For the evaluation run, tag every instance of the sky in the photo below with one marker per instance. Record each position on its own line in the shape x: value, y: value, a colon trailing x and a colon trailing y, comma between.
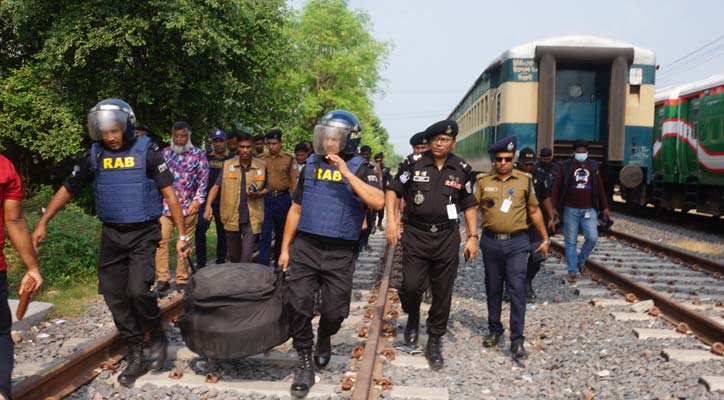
x: 441, y: 47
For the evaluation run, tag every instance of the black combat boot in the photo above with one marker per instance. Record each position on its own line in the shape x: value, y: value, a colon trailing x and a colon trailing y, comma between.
x: 412, y: 328
x: 433, y: 353
x: 530, y: 295
x: 157, y: 348
x: 517, y: 351
x: 136, y: 365
x: 491, y: 339
x: 323, y: 350
x: 304, y: 379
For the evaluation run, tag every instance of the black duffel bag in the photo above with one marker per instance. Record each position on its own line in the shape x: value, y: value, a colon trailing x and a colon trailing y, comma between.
x: 234, y: 311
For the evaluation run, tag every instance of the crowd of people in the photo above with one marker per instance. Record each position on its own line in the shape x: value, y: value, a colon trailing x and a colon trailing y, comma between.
x: 309, y: 213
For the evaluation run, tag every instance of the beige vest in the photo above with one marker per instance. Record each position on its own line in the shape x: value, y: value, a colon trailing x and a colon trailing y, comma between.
x: 231, y: 194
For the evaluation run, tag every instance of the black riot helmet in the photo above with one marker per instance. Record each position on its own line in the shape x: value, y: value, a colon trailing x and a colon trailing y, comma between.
x: 111, y: 111
x: 340, y: 126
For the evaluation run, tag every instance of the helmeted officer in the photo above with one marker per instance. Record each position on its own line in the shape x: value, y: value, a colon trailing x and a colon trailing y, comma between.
x: 527, y: 163
x: 131, y: 179
x: 277, y: 201
x: 436, y: 185
x: 507, y: 199
x: 325, y: 222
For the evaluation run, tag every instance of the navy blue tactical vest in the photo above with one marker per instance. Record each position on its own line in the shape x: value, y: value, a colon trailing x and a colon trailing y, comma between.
x: 329, y: 206
x: 124, y: 193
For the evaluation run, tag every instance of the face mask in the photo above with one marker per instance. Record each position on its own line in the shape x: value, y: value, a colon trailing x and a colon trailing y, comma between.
x: 581, y: 156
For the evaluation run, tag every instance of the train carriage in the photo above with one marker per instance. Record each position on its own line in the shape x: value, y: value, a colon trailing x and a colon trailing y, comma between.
x: 688, y: 150
x: 553, y: 91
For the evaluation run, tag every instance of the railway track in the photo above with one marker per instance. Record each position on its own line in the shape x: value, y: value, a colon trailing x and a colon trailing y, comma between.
x: 687, y: 290
x: 370, y: 333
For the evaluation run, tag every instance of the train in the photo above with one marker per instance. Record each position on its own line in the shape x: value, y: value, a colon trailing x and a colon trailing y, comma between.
x: 553, y: 91
x: 688, y: 147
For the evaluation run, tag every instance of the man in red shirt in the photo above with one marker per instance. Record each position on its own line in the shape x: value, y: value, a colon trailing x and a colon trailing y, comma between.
x: 12, y: 215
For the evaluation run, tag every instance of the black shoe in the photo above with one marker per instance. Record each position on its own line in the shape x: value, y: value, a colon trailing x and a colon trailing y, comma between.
x: 518, y: 352
x: 323, y: 350
x: 412, y: 328
x: 136, y: 365
x: 492, y: 339
x: 433, y: 353
x: 530, y: 295
x: 157, y: 349
x: 161, y: 288
x: 304, y: 379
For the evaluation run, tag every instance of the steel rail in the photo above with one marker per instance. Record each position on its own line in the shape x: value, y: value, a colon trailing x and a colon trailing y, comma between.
x: 709, y: 265
x: 364, y: 387
x: 67, y: 374
x: 705, y: 328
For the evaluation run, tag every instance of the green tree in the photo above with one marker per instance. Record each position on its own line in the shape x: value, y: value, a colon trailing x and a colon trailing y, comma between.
x: 206, y: 62
x: 339, y: 65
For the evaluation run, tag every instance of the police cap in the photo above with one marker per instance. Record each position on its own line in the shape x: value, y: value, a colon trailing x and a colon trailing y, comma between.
x: 218, y: 134
x: 505, y: 145
x: 275, y: 133
x: 526, y: 155
x: 546, y: 152
x: 445, y: 127
x: 419, y: 138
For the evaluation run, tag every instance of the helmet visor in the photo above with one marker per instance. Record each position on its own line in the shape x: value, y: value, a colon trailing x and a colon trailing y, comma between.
x: 329, y: 139
x: 104, y: 120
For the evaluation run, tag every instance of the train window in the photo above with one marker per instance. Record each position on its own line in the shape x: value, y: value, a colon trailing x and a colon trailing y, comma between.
x: 695, y: 118
x: 485, y: 109
x: 497, y: 107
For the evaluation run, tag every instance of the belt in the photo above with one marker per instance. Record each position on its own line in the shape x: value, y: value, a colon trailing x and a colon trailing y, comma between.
x: 505, y: 236
x: 276, y: 193
x: 432, y: 227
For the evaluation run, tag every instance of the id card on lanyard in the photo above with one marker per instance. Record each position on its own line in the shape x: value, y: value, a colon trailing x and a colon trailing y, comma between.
x: 505, y: 207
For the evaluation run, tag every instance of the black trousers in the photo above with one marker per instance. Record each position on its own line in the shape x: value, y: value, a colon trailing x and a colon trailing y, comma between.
x: 6, y: 342
x: 430, y: 259
x: 126, y: 271
x: 534, y: 261
x: 241, y: 244
x: 318, y: 262
x: 506, y: 261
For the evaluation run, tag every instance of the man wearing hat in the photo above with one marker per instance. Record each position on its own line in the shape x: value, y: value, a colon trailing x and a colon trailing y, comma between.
x: 436, y: 186
x: 420, y: 143
x: 216, y: 157
x: 507, y: 200
x: 278, y: 200
x: 527, y: 163
x: 578, y: 194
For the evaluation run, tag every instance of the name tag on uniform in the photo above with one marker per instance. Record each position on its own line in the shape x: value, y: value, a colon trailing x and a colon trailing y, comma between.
x: 421, y: 178
x: 490, y: 189
x: 505, y: 207
x: 452, y: 211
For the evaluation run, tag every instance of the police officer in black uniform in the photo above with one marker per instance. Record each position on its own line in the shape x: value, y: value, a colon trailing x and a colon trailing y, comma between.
x: 436, y: 186
x: 325, y: 222
x: 385, y: 177
x: 507, y: 200
x: 131, y: 179
x: 527, y: 163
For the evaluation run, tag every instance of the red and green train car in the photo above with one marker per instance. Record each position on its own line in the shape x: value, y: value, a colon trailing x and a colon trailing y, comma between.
x: 688, y: 149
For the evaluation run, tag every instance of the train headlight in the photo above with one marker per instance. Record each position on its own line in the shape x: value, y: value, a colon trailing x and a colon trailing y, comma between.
x: 631, y: 176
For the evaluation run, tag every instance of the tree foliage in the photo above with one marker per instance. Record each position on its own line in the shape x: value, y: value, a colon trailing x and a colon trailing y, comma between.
x: 209, y: 62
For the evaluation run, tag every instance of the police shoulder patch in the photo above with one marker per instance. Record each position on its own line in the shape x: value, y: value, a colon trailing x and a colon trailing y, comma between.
x: 154, y: 147
x: 162, y: 167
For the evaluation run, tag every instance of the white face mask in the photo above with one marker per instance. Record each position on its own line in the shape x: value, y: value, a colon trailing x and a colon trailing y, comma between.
x: 581, y: 156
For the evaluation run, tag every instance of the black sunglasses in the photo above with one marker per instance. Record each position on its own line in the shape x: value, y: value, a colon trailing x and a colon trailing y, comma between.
x: 500, y: 159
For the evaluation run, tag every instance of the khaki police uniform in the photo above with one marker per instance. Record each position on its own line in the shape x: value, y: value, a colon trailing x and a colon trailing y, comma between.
x: 505, y: 245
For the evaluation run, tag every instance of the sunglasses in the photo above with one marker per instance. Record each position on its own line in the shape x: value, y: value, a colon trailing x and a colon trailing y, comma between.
x: 501, y: 159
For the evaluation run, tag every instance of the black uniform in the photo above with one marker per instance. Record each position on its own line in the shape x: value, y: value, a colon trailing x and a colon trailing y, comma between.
x: 431, y: 241
x: 127, y: 264
x: 542, y: 191
x: 325, y: 264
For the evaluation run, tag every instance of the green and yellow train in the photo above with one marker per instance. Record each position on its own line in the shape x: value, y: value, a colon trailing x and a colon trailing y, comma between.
x: 553, y: 91
x: 688, y: 150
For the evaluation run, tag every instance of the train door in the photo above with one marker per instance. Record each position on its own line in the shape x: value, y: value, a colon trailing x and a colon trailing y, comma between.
x: 689, y: 140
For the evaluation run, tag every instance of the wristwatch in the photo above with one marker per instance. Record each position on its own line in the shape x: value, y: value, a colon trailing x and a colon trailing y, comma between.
x: 473, y: 235
x: 185, y: 238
